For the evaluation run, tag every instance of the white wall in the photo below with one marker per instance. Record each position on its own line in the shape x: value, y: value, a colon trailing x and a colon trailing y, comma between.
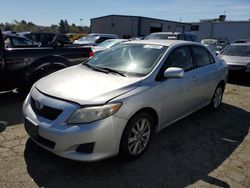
x: 167, y: 26
x: 225, y: 30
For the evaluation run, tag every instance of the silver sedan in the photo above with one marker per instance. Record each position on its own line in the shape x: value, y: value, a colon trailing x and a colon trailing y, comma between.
x: 116, y: 101
x: 237, y: 56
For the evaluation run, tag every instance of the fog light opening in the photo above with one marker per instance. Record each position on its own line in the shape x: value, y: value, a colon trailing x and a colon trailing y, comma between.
x: 85, y: 148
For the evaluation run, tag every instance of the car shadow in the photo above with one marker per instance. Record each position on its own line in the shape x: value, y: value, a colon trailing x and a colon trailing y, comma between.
x: 239, y: 78
x: 11, y: 108
x: 183, y: 153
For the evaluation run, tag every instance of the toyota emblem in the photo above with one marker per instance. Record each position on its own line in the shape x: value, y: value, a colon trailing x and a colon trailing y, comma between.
x: 38, y: 105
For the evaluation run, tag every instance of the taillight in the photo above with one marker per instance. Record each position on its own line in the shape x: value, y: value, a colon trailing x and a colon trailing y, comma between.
x: 91, y: 53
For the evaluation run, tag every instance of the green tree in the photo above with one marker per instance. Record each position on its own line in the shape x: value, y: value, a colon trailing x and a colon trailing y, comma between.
x: 62, y: 27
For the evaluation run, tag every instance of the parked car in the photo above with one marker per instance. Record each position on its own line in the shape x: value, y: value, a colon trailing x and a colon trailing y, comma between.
x: 241, y: 41
x: 94, y: 39
x: 107, y: 44
x: 216, y: 45
x: 21, y: 67
x: 47, y: 39
x: 237, y: 56
x: 16, y: 41
x: 116, y: 101
x: 173, y: 36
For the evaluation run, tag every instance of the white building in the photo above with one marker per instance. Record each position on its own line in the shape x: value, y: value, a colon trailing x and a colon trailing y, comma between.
x: 135, y: 26
x: 222, y: 29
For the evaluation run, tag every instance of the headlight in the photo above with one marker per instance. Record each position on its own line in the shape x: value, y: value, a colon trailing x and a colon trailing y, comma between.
x: 89, y: 114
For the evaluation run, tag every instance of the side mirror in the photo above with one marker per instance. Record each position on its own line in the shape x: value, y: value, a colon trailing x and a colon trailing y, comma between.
x: 174, y: 72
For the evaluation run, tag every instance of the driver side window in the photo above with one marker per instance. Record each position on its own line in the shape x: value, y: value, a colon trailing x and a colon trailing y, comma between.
x: 181, y: 58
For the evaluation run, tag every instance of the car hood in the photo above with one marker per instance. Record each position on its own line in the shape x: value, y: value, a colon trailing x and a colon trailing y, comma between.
x: 235, y: 60
x: 85, y: 86
x: 84, y: 42
x: 98, y: 48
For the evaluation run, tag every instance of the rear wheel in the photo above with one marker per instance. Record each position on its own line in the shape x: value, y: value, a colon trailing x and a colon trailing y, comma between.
x: 217, y: 97
x: 137, y: 136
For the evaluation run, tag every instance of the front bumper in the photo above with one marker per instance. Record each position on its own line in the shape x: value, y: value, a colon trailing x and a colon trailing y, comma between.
x: 105, y: 134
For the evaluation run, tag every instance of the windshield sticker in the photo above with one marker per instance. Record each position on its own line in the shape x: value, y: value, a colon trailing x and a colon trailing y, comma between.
x: 153, y: 46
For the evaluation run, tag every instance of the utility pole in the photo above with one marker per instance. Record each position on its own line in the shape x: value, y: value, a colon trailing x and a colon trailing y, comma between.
x: 81, y: 20
x: 181, y: 18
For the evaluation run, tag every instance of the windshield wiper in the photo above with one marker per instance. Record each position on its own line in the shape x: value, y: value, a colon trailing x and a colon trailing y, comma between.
x: 114, y: 71
x: 95, y: 68
x: 103, y: 69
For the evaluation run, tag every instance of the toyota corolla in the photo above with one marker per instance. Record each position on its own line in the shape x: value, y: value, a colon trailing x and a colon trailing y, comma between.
x: 114, y: 103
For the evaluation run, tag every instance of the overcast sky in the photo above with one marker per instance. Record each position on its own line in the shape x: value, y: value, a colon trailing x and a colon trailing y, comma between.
x: 47, y: 12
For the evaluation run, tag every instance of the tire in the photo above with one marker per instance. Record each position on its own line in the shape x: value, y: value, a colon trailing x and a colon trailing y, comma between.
x: 137, y: 136
x: 44, y: 73
x: 25, y: 89
x: 217, y: 97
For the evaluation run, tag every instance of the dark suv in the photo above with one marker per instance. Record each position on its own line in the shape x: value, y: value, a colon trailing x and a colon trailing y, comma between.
x: 173, y: 36
x: 46, y: 39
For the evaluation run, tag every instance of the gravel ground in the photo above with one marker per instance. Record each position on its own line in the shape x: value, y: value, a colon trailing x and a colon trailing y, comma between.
x: 206, y: 149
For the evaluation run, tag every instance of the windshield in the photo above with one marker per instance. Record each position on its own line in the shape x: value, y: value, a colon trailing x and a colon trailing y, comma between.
x: 134, y: 59
x: 239, y: 50
x: 108, y: 43
x: 90, y: 38
x: 161, y: 36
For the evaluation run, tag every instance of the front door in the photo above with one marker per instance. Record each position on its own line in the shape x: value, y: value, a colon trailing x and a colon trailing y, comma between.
x: 178, y: 93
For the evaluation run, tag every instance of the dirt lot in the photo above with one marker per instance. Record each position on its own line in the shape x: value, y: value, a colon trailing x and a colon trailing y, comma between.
x: 206, y: 149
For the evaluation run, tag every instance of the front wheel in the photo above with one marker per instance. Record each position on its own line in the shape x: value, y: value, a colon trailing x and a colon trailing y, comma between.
x: 137, y: 136
x: 217, y: 98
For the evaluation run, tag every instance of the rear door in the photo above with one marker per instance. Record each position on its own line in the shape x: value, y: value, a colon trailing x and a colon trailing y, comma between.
x: 205, y: 74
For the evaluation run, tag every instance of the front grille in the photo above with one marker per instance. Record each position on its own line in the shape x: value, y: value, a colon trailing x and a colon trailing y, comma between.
x: 45, y: 111
x: 237, y: 67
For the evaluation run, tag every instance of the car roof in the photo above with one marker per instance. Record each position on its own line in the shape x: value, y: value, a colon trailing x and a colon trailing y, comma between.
x: 162, y: 42
x: 103, y: 34
x: 240, y: 44
x: 209, y: 40
x: 242, y: 39
x: 173, y: 33
x: 14, y: 35
x: 45, y: 33
x: 118, y: 40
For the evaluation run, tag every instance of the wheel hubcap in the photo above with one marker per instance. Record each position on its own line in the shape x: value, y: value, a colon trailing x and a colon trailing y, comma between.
x: 139, y: 136
x: 217, y: 97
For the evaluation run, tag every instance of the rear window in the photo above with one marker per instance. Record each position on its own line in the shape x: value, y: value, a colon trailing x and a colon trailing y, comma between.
x: 21, y: 42
x: 194, y: 38
x: 188, y: 38
x: 31, y: 37
x: 202, y: 56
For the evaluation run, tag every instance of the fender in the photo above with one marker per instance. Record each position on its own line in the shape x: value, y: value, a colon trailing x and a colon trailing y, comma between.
x: 45, y: 62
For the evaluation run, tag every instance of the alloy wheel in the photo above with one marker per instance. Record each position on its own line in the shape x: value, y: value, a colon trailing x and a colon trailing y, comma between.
x: 139, y: 136
x: 217, y: 97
